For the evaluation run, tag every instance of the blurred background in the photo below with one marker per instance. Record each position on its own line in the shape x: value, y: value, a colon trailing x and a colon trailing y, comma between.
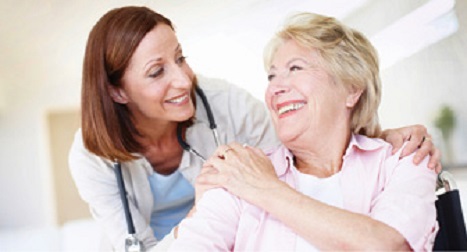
x: 423, y: 52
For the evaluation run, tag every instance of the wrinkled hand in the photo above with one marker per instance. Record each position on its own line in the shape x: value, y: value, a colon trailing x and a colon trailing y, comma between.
x: 242, y: 170
x: 201, y: 183
x: 417, y: 138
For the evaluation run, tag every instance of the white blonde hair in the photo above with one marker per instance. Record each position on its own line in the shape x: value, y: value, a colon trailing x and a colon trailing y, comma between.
x: 348, y: 56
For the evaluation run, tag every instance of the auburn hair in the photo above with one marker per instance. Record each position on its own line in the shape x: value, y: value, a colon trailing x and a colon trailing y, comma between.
x: 107, y: 127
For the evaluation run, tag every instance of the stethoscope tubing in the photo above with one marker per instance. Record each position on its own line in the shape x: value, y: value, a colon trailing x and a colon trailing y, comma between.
x: 123, y: 196
x: 183, y: 144
x: 212, y: 126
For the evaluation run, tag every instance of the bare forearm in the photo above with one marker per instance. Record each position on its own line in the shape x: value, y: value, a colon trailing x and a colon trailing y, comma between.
x: 328, y: 227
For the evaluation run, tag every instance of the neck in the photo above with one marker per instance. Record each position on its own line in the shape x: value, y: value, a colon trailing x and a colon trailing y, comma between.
x: 157, y: 133
x: 161, y: 147
x: 322, y: 157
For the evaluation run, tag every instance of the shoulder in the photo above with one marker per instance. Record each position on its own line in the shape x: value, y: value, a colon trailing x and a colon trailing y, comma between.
x: 231, y: 101
x: 405, y: 165
x: 368, y: 149
x: 375, y: 152
x: 212, y: 84
x: 369, y: 144
x: 366, y: 157
x: 280, y: 157
x: 277, y: 151
x: 220, y: 88
x: 240, y: 116
x: 78, y: 151
x: 84, y: 163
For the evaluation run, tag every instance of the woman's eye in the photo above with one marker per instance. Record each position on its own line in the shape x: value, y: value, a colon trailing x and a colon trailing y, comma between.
x: 156, y: 72
x: 181, y: 59
x: 295, y: 68
x: 271, y: 77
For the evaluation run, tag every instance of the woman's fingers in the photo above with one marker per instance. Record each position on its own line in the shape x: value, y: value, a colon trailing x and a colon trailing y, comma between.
x: 257, y: 151
x: 240, y: 169
x: 426, y: 147
x: 418, y: 140
x: 435, y: 161
x: 222, y: 151
x: 416, y: 135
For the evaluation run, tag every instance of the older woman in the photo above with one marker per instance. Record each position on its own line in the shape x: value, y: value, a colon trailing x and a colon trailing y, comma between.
x: 334, y: 186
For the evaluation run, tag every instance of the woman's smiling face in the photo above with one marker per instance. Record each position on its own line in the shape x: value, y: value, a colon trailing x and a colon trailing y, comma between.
x: 302, y: 96
x: 157, y: 82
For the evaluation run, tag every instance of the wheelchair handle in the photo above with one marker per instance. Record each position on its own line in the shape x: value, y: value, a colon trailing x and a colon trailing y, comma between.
x: 446, y: 181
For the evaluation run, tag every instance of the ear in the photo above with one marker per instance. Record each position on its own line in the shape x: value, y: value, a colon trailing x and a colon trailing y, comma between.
x: 352, y: 97
x: 118, y: 94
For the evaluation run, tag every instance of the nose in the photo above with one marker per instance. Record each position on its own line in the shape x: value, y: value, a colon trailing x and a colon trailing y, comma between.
x: 181, y: 77
x: 279, y: 91
x: 278, y: 85
x: 273, y: 91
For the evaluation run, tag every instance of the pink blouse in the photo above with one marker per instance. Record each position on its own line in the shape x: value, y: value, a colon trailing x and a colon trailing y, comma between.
x: 374, y: 183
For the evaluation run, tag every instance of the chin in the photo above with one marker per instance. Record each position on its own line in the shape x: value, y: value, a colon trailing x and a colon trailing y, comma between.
x: 185, y: 115
x: 287, y: 136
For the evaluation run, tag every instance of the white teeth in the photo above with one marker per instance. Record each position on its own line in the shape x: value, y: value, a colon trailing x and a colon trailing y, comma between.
x: 178, y: 100
x: 290, y: 107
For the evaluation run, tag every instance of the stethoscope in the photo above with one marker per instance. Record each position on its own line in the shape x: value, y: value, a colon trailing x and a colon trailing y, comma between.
x: 132, y: 244
x: 212, y: 126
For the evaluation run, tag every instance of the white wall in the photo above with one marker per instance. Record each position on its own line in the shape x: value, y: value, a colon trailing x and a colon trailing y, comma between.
x: 415, y: 88
x: 42, y: 44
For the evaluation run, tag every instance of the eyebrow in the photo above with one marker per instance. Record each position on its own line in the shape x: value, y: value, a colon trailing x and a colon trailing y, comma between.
x: 273, y: 67
x: 177, y: 49
x: 145, y: 68
x: 297, y: 59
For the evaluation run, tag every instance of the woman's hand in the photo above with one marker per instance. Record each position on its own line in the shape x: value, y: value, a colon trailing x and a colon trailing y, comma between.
x: 242, y: 170
x: 417, y: 138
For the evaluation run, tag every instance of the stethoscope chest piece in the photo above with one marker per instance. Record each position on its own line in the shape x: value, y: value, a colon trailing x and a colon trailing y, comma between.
x: 132, y: 244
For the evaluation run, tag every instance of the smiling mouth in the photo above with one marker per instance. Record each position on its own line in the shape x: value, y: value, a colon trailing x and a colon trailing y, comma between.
x: 290, y: 107
x: 178, y: 100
